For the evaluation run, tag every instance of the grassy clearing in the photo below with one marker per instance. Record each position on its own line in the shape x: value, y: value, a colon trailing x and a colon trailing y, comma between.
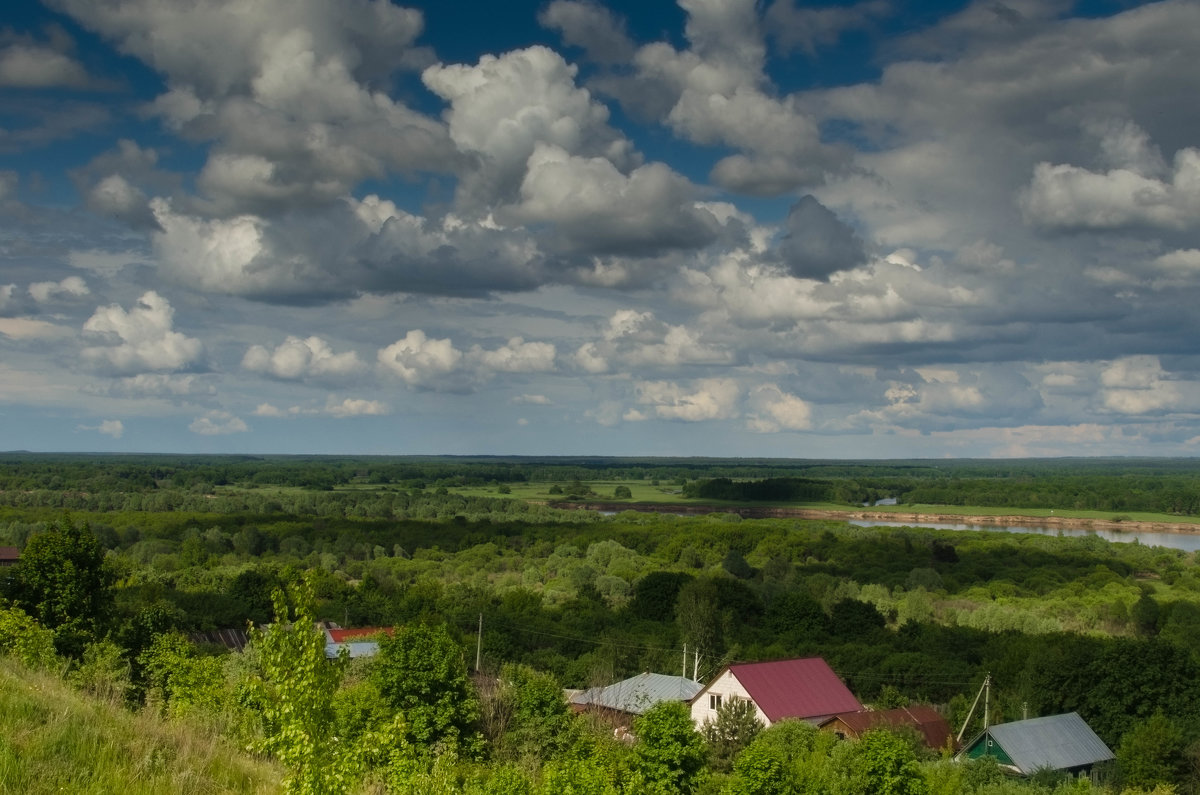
x: 54, y: 739
x: 641, y: 490
x: 669, y: 494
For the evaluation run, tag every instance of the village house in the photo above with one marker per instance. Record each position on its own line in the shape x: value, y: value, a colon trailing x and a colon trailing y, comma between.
x: 921, y: 718
x: 362, y: 642
x: 9, y: 556
x: 805, y: 688
x: 620, y: 701
x: 1056, y: 742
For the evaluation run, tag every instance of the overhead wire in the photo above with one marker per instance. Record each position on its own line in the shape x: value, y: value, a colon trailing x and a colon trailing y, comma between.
x: 608, y: 641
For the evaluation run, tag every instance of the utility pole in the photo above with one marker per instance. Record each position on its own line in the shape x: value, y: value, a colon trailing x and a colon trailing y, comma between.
x: 479, y: 644
x: 985, y: 689
x: 987, y: 699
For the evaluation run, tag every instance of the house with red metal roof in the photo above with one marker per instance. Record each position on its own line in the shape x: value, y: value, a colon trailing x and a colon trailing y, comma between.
x: 921, y: 718
x: 9, y: 556
x: 361, y: 642
x: 805, y: 688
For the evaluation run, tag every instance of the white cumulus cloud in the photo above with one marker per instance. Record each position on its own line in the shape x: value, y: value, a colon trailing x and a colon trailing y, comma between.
x: 705, y: 399
x: 218, y: 423
x: 518, y: 356
x: 297, y: 358
x: 772, y: 409
x: 113, y: 428
x: 140, y: 339
x: 70, y: 287
x: 1138, y: 385
x: 419, y: 360
x: 355, y: 407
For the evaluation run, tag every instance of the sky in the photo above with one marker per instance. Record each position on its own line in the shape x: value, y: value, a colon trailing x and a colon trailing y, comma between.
x: 874, y: 229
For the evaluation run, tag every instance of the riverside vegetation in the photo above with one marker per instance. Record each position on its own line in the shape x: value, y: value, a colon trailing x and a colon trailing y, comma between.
x: 124, y: 556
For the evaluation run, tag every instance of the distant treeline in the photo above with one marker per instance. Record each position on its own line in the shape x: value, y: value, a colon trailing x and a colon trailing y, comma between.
x: 766, y: 490
x: 1164, y: 493
x: 205, y: 483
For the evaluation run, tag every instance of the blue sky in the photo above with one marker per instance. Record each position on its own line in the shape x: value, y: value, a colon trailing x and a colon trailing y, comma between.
x: 884, y: 228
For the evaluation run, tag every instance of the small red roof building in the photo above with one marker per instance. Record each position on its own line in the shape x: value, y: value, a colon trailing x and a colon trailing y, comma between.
x: 922, y: 718
x: 9, y: 556
x: 362, y: 633
x: 360, y: 642
x: 804, y: 688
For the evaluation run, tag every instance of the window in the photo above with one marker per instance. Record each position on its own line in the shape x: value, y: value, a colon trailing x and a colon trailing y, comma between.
x: 714, y: 702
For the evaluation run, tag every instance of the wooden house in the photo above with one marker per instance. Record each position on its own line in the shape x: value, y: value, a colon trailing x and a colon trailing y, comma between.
x: 921, y: 718
x: 1056, y: 742
x: 805, y: 688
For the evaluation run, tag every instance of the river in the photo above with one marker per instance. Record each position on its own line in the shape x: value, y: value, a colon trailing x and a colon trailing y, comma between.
x: 1189, y: 542
x: 1185, y: 537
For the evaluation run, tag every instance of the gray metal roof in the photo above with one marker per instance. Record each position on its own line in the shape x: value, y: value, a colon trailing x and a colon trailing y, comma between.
x: 1059, y: 742
x: 356, y: 648
x: 637, y: 694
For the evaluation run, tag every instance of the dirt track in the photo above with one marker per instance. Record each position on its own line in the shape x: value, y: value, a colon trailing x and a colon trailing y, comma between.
x: 752, y: 512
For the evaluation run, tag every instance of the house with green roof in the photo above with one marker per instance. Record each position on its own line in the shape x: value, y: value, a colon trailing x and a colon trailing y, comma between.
x: 1056, y: 742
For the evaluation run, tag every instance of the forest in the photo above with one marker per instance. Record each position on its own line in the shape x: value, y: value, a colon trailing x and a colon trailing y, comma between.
x: 126, y: 561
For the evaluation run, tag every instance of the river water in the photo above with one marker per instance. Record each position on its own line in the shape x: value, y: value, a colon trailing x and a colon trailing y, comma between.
x: 1189, y: 542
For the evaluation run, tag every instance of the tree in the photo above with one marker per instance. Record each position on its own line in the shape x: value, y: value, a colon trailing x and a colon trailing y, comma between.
x: 885, y: 763
x: 527, y: 715
x: 789, y: 757
x: 737, y: 566
x: 735, y: 727
x: 850, y: 618
x: 63, y: 583
x: 797, y: 614
x: 1151, y: 753
x: 654, y: 595
x: 1145, y: 612
x: 698, y: 616
x: 178, y: 677
x: 670, y: 754
x: 420, y: 671
x: 294, y: 693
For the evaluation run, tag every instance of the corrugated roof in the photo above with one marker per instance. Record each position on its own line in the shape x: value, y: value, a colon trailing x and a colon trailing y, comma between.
x: 637, y: 694
x: 356, y: 650
x: 1058, y: 742
x: 10, y: 553
x: 801, y: 688
x: 922, y: 717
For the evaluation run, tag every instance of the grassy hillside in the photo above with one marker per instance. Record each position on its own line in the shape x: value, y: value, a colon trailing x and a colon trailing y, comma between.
x: 55, y: 739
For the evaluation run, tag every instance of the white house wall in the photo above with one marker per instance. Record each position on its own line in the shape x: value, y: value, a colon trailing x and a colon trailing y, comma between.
x: 726, y: 686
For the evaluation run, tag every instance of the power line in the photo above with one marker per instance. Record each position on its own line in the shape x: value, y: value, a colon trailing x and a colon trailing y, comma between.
x: 897, y: 678
x: 903, y: 678
x: 592, y: 641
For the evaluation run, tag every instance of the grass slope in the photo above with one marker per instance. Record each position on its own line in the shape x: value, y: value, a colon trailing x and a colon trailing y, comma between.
x: 55, y: 739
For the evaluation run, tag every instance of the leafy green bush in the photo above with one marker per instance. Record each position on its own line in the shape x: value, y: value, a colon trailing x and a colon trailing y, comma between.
x: 25, y: 639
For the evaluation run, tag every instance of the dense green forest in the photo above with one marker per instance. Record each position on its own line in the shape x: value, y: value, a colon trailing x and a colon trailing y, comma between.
x: 173, y: 483
x: 126, y: 558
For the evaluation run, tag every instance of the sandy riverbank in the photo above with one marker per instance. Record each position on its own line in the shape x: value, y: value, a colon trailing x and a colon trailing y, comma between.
x: 1008, y: 520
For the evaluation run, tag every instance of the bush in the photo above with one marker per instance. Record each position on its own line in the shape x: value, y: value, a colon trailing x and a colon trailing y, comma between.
x: 25, y: 639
